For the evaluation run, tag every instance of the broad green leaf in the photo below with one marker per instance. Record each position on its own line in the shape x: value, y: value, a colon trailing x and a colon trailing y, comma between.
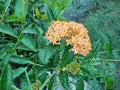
x: 18, y: 72
x: 41, y: 41
x: 29, y: 31
x: 7, y: 30
x: 64, y: 80
x: 14, y: 18
x: 21, y: 8
x: 109, y: 81
x: 28, y: 42
x: 50, y: 14
x: 67, y: 57
x: 42, y: 71
x: 3, y: 52
x: 60, y: 7
x: 107, y: 44
x: 42, y: 54
x: 52, y: 83
x: 79, y: 84
x: 19, y: 60
x: 6, y: 80
x: 46, y: 53
x: 23, y: 47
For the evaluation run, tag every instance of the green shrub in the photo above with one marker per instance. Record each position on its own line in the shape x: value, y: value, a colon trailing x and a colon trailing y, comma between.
x: 28, y: 61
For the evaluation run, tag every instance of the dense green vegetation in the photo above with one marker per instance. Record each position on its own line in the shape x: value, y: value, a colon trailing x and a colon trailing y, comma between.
x: 28, y: 61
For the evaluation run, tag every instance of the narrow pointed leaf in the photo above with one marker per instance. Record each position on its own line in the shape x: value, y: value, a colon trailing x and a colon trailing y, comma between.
x: 21, y: 8
x: 14, y: 18
x: 7, y: 30
x: 18, y: 71
x: 64, y: 80
x: 46, y: 53
x: 20, y: 60
x: 52, y: 83
x: 28, y: 42
x: 107, y: 44
x: 6, y: 80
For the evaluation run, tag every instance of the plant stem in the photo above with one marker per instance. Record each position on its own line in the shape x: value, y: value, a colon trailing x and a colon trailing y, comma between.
x: 111, y: 60
x: 5, y: 12
x: 28, y: 79
x: 35, y: 64
x: 19, y: 37
x: 14, y: 87
x: 112, y: 51
x: 41, y: 88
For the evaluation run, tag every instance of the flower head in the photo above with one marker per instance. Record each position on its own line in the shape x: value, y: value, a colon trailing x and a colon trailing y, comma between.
x: 73, y: 67
x: 73, y: 33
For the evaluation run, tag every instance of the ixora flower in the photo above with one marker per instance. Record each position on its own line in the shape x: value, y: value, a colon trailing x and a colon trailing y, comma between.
x: 73, y: 33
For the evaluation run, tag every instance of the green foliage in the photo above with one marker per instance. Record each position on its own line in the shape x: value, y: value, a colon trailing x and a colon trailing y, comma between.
x: 7, y: 30
x: 64, y: 80
x: 6, y: 78
x: 101, y: 17
x: 28, y: 61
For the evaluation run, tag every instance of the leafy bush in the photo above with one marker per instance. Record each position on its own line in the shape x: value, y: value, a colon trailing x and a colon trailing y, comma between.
x: 99, y: 16
x: 28, y: 61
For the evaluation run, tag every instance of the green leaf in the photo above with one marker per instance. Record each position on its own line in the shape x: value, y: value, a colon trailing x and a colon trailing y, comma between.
x: 52, y: 83
x: 107, y: 44
x: 21, y: 8
x: 41, y: 41
x: 67, y: 58
x: 64, y: 80
x: 42, y: 54
x: 109, y: 81
x: 28, y: 42
x: 46, y: 53
x: 19, y: 60
x: 6, y: 80
x: 89, y: 68
x: 50, y: 14
x: 23, y: 47
x: 14, y: 18
x: 7, y: 30
x: 17, y: 72
x: 59, y: 6
x: 29, y: 31
x: 42, y: 71
x: 79, y: 84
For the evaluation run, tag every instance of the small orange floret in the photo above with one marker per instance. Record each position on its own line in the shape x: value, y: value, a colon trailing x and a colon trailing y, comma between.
x: 74, y: 34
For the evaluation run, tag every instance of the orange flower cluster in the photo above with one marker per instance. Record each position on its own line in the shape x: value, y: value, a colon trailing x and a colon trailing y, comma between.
x: 74, y: 34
